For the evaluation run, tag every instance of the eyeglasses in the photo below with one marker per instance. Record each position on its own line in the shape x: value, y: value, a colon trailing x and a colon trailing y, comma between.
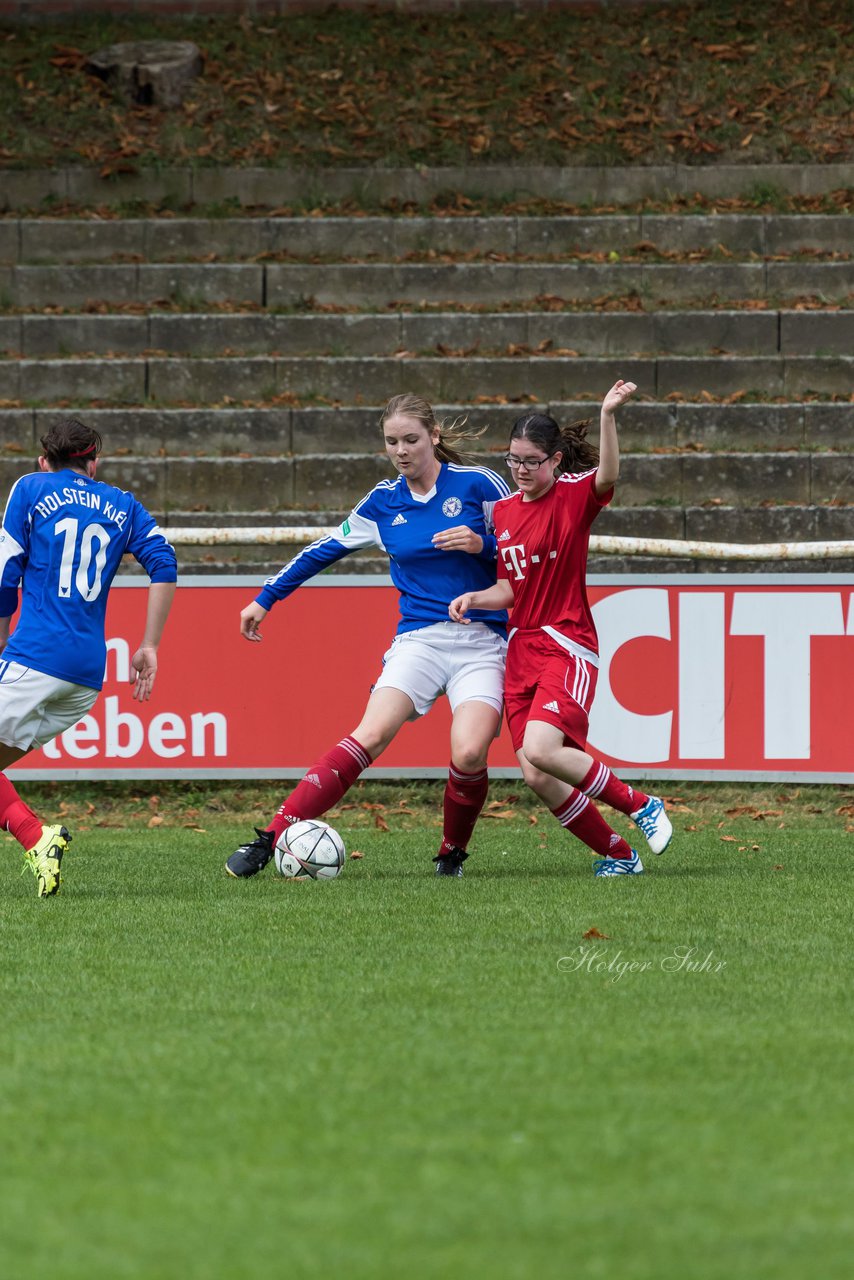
x: 523, y: 464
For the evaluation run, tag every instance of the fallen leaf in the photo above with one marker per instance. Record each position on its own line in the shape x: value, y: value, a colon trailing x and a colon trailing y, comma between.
x: 594, y: 933
x: 356, y: 853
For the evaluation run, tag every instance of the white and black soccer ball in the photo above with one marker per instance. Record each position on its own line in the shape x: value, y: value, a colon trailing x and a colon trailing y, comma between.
x: 310, y: 850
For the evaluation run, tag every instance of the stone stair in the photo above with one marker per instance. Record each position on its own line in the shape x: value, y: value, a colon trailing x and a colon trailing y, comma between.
x: 236, y: 366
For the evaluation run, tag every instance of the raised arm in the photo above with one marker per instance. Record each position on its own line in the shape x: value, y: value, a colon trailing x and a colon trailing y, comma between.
x: 609, y: 449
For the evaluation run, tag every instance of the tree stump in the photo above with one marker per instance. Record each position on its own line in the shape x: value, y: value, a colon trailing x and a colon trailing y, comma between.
x: 148, y: 72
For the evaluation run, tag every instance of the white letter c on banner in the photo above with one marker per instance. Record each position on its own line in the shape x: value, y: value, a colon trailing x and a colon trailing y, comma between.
x: 614, y: 730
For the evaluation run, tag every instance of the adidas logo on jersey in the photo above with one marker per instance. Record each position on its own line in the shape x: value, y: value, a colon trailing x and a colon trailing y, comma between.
x: 551, y: 706
x: 502, y: 537
x: 398, y: 520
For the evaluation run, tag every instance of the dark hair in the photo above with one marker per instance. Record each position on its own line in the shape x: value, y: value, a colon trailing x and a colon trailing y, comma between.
x: 412, y: 406
x: 70, y: 441
x: 576, y: 452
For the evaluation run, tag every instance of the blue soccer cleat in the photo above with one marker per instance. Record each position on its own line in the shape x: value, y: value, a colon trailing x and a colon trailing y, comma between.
x: 619, y: 866
x: 654, y: 823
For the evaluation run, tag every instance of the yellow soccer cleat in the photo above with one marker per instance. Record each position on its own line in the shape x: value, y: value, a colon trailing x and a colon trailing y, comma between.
x: 45, y: 857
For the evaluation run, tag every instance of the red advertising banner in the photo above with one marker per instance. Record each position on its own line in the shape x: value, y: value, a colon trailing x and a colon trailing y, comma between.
x: 714, y: 676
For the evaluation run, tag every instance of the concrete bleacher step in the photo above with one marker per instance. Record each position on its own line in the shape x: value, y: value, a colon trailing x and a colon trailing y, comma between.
x: 268, y: 432
x: 694, y: 332
x: 281, y: 485
x: 384, y: 285
x: 86, y: 240
x: 207, y: 380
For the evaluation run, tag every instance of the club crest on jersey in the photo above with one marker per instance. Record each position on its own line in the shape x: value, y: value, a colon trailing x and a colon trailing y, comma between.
x: 451, y: 507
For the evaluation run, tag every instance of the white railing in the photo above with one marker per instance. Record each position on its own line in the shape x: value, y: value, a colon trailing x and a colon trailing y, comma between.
x: 609, y: 546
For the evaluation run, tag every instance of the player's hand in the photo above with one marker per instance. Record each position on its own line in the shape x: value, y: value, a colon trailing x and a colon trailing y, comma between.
x: 144, y: 665
x: 460, y: 538
x: 458, y: 608
x: 618, y: 395
x: 250, y: 621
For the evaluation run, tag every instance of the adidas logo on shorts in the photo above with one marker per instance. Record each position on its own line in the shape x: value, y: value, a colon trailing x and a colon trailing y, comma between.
x: 313, y: 779
x: 551, y: 706
x: 398, y: 520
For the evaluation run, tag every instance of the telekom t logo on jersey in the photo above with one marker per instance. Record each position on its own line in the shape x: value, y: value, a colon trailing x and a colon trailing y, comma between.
x: 514, y: 560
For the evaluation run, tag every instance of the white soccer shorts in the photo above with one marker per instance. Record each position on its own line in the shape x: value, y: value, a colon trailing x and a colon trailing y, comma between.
x: 466, y: 662
x: 35, y: 707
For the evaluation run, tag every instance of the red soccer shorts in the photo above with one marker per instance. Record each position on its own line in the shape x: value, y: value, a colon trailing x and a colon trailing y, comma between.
x: 546, y: 682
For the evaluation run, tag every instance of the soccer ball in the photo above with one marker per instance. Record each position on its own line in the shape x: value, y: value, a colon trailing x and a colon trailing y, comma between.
x: 309, y: 850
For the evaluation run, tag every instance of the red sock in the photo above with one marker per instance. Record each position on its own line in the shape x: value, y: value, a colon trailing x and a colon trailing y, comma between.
x: 16, y: 817
x: 604, y: 785
x: 323, y: 786
x: 584, y: 820
x: 465, y: 794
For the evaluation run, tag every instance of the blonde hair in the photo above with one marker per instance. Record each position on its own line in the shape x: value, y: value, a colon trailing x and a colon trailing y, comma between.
x: 450, y: 434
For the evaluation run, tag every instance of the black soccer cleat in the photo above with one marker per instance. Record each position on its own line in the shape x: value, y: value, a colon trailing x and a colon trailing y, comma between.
x: 450, y: 864
x: 251, y: 858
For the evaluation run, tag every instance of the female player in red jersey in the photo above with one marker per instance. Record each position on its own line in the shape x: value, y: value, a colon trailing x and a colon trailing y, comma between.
x: 543, y: 532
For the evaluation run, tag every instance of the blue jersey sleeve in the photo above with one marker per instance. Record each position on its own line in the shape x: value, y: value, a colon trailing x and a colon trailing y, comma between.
x: 14, y: 549
x: 489, y: 551
x: 149, y: 547
x: 356, y: 533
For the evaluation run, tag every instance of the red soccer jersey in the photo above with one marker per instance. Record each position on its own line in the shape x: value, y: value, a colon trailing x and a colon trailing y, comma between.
x: 542, y: 553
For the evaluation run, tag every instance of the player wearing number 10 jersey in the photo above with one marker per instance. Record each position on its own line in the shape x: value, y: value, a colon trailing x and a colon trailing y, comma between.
x: 63, y: 537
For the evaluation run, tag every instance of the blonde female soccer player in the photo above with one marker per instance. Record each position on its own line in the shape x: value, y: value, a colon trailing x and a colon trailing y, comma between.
x: 434, y: 520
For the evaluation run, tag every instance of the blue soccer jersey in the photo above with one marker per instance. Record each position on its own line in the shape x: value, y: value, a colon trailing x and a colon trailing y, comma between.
x: 64, y: 535
x: 402, y: 524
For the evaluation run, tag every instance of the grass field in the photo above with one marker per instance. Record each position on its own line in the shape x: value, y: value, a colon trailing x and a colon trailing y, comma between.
x: 391, y: 1075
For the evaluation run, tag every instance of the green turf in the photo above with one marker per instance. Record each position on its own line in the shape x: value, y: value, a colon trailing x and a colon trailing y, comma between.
x: 390, y: 1075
